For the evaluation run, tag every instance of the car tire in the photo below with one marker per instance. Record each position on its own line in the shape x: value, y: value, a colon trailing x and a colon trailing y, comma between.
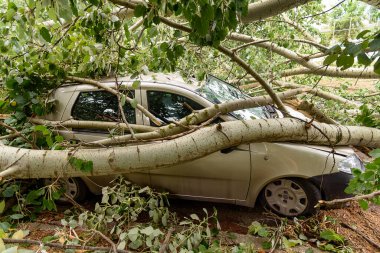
x: 290, y: 197
x: 74, y: 187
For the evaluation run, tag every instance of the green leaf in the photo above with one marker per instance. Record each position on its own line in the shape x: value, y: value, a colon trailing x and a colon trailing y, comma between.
x: 136, y: 84
x: 73, y: 6
x: 364, y: 59
x: 133, y: 103
x: 334, y: 50
x: 266, y: 245
x: 331, y: 236
x: 87, y: 166
x: 16, y: 216
x: 345, y: 61
x: 374, y: 45
x: 45, y: 34
x: 194, y: 216
x: 121, y: 245
x: 375, y: 153
x: 363, y: 204
x: 290, y: 243
x: 330, y: 59
x: 94, y: 2
x: 362, y: 34
x: 122, y: 99
x: 2, y: 206
x: 376, y: 67
x: 140, y: 10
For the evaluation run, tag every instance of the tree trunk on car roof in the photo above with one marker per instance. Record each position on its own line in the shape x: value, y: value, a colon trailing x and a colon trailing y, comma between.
x: 50, y: 163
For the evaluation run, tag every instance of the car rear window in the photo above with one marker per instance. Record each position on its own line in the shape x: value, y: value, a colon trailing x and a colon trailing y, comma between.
x: 101, y: 106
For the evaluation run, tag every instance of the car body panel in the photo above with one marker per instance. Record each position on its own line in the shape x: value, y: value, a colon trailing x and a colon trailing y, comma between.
x: 236, y: 175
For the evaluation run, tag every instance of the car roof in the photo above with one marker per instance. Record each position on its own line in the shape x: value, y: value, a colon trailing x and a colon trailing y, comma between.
x: 159, y: 78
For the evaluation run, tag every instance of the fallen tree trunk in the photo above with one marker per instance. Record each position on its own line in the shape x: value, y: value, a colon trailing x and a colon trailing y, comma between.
x: 25, y: 163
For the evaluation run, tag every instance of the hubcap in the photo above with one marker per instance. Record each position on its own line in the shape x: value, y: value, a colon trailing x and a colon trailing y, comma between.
x: 69, y: 185
x: 286, y: 197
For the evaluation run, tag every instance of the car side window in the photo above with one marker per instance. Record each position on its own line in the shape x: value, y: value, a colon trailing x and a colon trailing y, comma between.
x: 169, y: 106
x: 101, y: 106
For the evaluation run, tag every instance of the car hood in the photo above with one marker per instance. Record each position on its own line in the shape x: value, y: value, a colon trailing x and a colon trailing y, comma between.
x: 345, y: 151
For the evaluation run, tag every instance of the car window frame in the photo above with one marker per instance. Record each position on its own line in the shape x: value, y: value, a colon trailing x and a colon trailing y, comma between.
x: 67, y: 114
x: 170, y: 88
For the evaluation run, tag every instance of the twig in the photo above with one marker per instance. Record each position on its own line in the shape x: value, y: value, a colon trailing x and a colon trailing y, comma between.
x: 356, y: 198
x: 14, y: 130
x: 361, y: 234
x: 115, y: 92
x: 323, y: 12
x: 62, y: 246
x: 74, y: 203
x: 248, y: 44
x: 9, y: 136
x: 165, y: 244
x: 113, y: 245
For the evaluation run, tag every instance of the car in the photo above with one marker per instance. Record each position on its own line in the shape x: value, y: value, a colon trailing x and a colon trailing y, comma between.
x: 288, y: 178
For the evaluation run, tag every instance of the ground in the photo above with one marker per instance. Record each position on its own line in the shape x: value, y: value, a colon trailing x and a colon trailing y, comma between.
x: 235, y: 220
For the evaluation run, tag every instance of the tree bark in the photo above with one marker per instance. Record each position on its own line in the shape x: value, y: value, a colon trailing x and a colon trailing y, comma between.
x: 310, y: 67
x: 318, y: 92
x: 333, y: 72
x: 263, y: 9
x: 118, y: 160
x: 297, y: 26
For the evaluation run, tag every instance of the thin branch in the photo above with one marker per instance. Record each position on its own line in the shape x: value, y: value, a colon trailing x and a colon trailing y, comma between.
x: 361, y: 234
x: 20, y: 134
x: 115, y: 92
x: 323, y: 12
x: 247, y: 44
x: 355, y: 198
x: 113, y: 245
x: 254, y: 74
x: 165, y: 244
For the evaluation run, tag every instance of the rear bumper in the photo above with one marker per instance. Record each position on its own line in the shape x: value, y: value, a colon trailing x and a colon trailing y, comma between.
x: 332, y: 185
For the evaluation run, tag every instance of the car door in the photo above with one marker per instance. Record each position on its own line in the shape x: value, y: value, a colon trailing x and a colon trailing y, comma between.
x: 223, y: 175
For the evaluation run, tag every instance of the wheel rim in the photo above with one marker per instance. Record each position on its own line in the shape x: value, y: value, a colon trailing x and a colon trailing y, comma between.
x: 286, y: 197
x: 69, y: 185
x: 71, y: 188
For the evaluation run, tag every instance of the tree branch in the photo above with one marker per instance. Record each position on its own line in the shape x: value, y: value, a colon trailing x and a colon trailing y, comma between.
x: 317, y: 92
x: 297, y: 26
x: 355, y: 198
x: 116, y: 93
x: 310, y: 67
x: 263, y: 9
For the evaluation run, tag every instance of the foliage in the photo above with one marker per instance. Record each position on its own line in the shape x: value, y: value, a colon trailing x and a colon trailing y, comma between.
x: 24, y: 200
x: 289, y: 234
x: 123, y: 205
x: 366, y: 49
x: 368, y: 181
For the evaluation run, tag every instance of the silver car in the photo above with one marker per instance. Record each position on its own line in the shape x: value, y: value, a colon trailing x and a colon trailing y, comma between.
x: 288, y: 178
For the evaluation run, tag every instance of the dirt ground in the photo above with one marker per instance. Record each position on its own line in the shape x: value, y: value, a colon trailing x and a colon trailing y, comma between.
x: 234, y: 220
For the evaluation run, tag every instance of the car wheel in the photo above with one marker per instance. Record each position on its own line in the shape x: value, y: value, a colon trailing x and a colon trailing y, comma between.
x: 290, y: 197
x: 74, y: 187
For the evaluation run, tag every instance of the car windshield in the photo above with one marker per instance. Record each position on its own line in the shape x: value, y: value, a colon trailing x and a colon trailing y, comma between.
x: 218, y: 91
